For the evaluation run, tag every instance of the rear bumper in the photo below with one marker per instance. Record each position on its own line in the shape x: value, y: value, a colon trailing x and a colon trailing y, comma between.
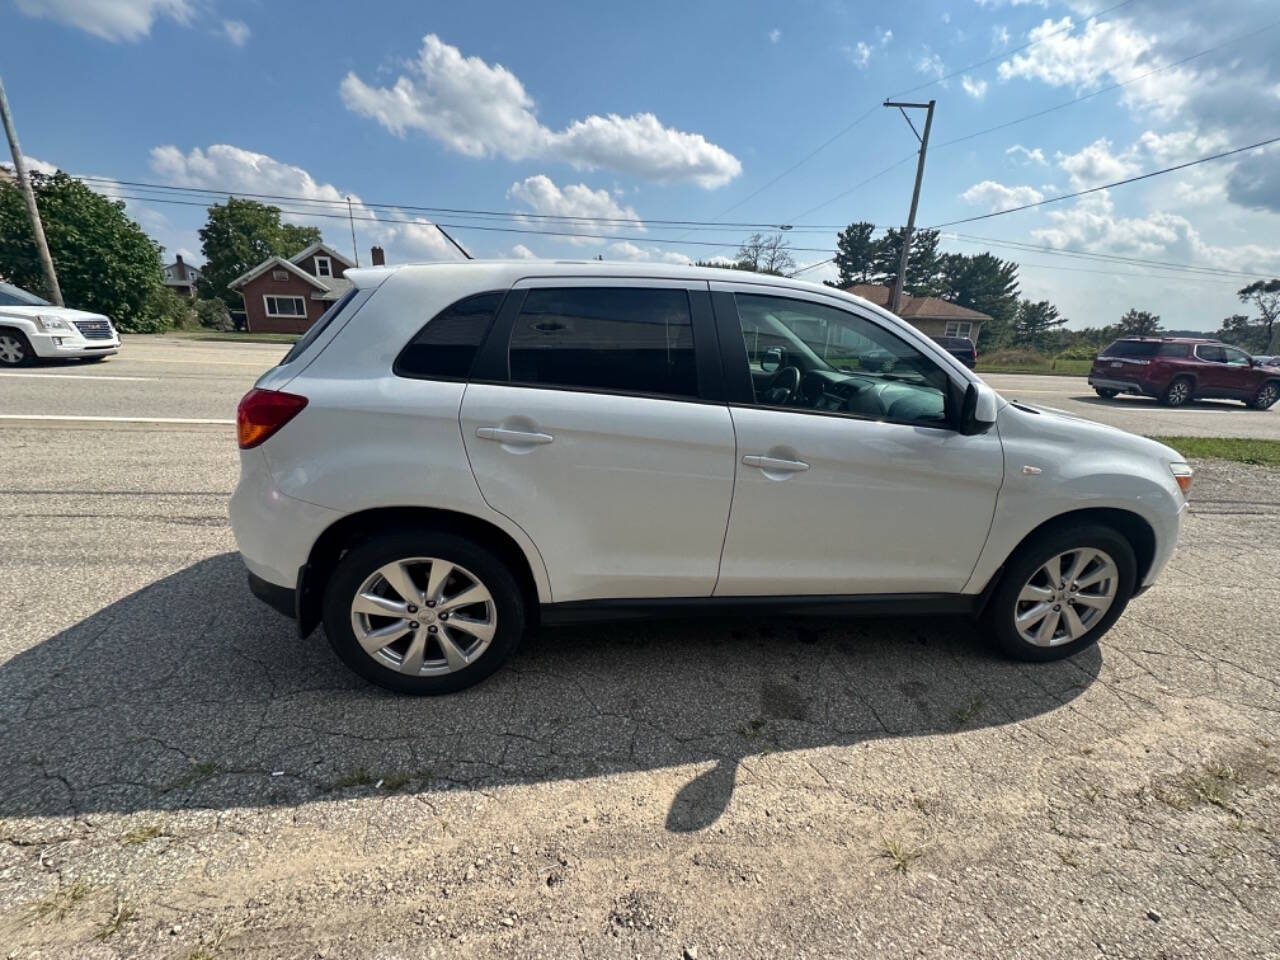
x: 1124, y: 386
x: 283, y: 599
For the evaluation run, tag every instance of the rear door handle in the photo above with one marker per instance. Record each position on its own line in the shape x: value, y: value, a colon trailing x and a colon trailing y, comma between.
x: 515, y: 437
x: 774, y: 465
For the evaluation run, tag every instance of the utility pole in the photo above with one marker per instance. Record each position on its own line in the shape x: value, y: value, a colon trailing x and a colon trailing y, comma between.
x: 24, y: 182
x: 351, y: 219
x: 896, y: 300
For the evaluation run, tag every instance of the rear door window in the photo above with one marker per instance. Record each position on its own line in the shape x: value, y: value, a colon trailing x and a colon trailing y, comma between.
x: 1133, y: 349
x: 1211, y: 353
x: 636, y: 340
x: 446, y: 347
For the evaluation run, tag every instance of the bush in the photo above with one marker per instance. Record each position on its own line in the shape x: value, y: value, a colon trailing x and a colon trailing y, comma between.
x: 1015, y: 357
x: 1080, y: 351
x: 213, y: 314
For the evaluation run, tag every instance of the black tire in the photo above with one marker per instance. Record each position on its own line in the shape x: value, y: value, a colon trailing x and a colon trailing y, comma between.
x: 1106, y: 394
x: 1028, y: 559
x: 1267, y: 394
x: 361, y: 561
x: 19, y: 345
x: 1180, y: 392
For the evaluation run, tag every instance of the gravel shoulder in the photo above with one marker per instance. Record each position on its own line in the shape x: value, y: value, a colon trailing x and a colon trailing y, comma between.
x: 181, y: 776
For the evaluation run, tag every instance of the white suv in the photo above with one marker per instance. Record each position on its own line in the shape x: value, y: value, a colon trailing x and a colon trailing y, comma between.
x: 457, y: 451
x: 32, y: 328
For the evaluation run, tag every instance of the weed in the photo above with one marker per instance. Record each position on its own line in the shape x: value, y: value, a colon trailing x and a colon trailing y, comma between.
x: 197, y: 774
x: 966, y: 714
x: 140, y: 836
x: 58, y: 904
x: 753, y: 729
x: 395, y: 781
x: 1069, y: 857
x: 356, y: 778
x: 119, y: 918
x: 898, y: 854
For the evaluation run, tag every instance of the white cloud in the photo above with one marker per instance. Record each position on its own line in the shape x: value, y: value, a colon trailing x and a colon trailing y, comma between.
x: 775, y: 35
x: 480, y: 110
x: 626, y: 250
x: 996, y: 196
x: 859, y: 54
x: 236, y: 170
x: 1021, y: 154
x: 999, y: 37
x: 113, y: 20
x: 883, y: 37
x: 930, y: 63
x: 974, y: 88
x: 33, y: 165
x: 1097, y: 164
x: 236, y: 31
x: 521, y: 252
x: 541, y: 195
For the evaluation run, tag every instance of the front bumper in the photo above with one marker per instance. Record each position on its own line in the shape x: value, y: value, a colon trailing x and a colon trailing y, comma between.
x: 49, y: 346
x: 282, y: 599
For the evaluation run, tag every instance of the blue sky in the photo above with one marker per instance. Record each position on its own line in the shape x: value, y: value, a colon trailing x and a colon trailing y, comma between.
x: 687, y: 112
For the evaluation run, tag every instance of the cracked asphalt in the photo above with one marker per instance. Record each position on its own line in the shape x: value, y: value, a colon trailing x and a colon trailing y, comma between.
x: 181, y: 776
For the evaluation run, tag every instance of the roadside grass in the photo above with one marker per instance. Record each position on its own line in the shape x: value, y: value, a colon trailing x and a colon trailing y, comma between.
x: 135, y: 838
x: 1049, y: 366
x: 900, y: 856
x: 119, y: 917
x: 1236, y: 449
x: 225, y: 336
x: 57, y: 905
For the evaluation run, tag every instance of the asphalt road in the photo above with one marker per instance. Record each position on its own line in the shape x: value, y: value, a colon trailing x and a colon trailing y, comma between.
x: 182, y: 776
x: 164, y: 378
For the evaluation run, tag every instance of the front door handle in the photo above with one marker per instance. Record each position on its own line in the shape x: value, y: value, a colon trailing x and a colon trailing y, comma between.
x: 514, y: 437
x: 774, y: 465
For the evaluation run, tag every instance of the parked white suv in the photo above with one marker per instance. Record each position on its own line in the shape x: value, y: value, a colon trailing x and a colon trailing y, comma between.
x: 32, y: 328
x: 456, y: 451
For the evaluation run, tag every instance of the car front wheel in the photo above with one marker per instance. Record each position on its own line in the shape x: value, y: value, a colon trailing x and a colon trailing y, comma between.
x: 423, y: 612
x: 15, y: 350
x: 1267, y: 395
x: 1061, y: 591
x: 1106, y: 394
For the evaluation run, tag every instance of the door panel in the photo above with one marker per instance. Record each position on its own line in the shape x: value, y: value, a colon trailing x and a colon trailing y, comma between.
x: 877, y: 508
x: 624, y: 496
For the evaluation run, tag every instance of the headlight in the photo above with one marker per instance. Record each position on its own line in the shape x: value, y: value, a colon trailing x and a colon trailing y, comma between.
x: 54, y: 325
x: 1182, y: 473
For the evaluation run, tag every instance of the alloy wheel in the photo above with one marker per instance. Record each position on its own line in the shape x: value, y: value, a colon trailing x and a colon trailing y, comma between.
x: 1066, y: 597
x: 1267, y: 395
x: 1179, y: 393
x: 12, y: 351
x: 424, y: 616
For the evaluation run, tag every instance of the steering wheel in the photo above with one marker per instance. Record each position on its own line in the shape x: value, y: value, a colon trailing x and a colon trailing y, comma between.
x: 782, y: 386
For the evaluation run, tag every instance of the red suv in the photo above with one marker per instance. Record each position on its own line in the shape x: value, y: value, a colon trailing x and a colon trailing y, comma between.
x: 1176, y: 370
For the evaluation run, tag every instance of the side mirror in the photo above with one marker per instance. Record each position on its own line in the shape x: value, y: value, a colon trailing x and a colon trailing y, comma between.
x: 977, y: 410
x: 771, y: 360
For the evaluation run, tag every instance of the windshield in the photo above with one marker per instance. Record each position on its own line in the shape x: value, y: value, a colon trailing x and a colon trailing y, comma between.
x: 11, y: 296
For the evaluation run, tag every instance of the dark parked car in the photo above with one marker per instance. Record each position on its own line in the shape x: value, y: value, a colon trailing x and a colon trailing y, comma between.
x: 1268, y: 361
x: 1177, y: 370
x: 961, y: 348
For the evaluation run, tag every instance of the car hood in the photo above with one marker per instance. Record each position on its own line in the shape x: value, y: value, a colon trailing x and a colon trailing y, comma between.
x: 62, y: 313
x: 1051, y: 419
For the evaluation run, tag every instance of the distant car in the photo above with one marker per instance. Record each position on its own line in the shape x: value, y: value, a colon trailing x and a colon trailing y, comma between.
x: 32, y: 328
x: 1268, y: 361
x: 961, y: 348
x: 1176, y: 370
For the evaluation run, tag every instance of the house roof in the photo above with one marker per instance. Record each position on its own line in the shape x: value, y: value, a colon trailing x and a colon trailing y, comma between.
x: 271, y: 263
x: 324, y: 248
x: 917, y: 308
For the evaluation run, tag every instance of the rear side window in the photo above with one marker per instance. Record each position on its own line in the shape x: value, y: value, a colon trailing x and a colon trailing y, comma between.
x: 317, y: 328
x: 1172, y: 350
x: 623, y: 339
x: 1138, y: 349
x: 445, y: 348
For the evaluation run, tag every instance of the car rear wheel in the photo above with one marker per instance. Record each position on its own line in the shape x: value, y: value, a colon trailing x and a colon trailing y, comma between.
x: 15, y: 349
x: 1061, y: 591
x: 423, y: 612
x: 1177, y: 393
x: 1106, y: 394
x: 1267, y: 395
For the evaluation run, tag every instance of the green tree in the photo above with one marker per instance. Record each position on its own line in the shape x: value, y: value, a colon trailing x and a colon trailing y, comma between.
x: 1036, y: 324
x: 1265, y: 295
x: 766, y: 254
x: 856, y: 253
x: 239, y: 235
x: 105, y: 262
x: 1246, y: 333
x: 924, y: 267
x: 1139, y: 323
x: 988, y: 284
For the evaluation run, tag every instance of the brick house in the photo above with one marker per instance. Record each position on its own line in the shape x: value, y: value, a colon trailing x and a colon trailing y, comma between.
x: 287, y: 296
x: 932, y: 316
x: 181, y: 277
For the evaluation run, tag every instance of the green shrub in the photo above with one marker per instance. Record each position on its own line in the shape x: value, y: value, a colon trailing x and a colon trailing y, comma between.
x: 1015, y: 357
x: 213, y: 314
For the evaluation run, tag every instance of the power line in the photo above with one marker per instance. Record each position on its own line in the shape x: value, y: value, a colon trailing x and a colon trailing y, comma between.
x: 1107, y: 186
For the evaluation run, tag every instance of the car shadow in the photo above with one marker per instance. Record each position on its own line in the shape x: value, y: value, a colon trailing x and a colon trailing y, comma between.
x: 192, y: 694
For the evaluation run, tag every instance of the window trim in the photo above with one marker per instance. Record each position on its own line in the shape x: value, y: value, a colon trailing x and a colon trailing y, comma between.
x: 328, y: 265
x: 968, y: 327
x: 741, y: 391
x: 1223, y: 361
x: 492, y: 364
x: 266, y: 307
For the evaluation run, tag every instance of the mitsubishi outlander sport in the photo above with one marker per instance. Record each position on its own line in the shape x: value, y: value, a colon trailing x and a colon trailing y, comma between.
x: 455, y: 452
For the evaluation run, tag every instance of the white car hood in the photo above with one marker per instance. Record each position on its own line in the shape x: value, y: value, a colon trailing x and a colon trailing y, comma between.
x: 1090, y: 431
x: 62, y: 313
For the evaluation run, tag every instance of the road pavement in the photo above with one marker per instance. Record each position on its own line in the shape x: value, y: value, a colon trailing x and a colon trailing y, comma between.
x: 182, y: 776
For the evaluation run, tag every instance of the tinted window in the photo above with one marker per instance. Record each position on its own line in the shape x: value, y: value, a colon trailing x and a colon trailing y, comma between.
x: 446, y: 346
x: 809, y: 356
x: 11, y: 296
x: 1237, y: 358
x: 1132, y: 348
x: 1211, y: 353
x: 1172, y: 350
x: 630, y: 339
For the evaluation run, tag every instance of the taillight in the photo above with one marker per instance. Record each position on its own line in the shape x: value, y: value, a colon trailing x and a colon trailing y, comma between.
x: 262, y: 412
